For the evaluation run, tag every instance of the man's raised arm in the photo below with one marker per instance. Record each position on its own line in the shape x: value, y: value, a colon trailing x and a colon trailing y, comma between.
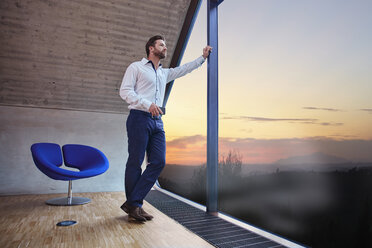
x: 182, y: 70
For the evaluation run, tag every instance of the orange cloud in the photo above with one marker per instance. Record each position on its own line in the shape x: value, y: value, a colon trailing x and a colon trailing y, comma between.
x: 190, y: 150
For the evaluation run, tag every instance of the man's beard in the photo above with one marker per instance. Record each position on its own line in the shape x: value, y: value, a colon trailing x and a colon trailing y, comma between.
x: 160, y: 55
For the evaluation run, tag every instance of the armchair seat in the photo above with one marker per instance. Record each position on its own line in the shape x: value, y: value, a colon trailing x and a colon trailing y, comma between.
x: 49, y: 158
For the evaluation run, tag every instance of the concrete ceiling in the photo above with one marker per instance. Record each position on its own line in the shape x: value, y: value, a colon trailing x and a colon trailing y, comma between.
x: 73, y: 54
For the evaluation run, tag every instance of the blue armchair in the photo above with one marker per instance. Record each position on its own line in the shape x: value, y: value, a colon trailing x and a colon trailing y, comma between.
x: 88, y: 160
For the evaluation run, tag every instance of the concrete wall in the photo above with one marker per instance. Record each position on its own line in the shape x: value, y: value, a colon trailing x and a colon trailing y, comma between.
x: 20, y: 127
x: 61, y: 65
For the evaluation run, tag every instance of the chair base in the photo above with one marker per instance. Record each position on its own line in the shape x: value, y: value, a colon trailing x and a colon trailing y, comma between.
x: 63, y: 201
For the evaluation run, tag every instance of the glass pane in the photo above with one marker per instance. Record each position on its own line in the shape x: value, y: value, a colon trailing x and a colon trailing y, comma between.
x: 186, y: 124
x: 295, y: 119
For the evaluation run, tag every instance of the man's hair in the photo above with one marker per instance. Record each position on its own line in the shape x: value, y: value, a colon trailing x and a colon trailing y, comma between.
x: 151, y: 42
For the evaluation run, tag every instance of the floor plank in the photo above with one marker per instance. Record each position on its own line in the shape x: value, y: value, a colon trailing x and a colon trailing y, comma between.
x: 26, y: 221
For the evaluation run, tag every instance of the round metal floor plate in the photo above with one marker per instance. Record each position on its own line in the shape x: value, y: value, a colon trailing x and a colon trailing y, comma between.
x: 66, y: 223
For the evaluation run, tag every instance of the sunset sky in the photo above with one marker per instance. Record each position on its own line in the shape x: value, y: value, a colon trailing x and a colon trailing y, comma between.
x: 295, y: 78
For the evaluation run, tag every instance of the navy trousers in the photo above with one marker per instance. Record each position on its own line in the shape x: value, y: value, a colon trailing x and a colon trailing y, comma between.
x: 145, y: 134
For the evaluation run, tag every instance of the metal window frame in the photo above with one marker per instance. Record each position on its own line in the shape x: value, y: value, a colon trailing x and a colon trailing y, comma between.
x: 212, y: 108
x: 183, y: 39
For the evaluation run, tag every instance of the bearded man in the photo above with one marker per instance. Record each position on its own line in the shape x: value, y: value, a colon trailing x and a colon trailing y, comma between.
x: 143, y: 88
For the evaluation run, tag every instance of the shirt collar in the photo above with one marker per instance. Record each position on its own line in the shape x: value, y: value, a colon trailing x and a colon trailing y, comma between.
x: 144, y: 61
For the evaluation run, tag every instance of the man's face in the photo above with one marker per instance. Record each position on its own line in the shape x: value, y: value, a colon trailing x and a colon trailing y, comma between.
x: 160, y: 49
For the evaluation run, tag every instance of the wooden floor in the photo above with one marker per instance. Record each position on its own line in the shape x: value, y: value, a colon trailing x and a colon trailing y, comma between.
x: 26, y: 221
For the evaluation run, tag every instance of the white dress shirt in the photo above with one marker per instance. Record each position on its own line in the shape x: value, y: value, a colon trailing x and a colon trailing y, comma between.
x: 142, y: 85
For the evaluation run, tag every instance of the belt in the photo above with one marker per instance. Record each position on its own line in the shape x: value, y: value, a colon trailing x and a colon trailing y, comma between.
x: 136, y: 111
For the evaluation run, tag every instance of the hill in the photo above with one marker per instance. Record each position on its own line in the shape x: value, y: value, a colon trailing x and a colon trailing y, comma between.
x: 314, y: 158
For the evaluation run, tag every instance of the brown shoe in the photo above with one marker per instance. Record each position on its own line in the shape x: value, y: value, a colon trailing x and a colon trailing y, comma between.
x: 134, y: 212
x: 125, y: 207
x: 146, y: 215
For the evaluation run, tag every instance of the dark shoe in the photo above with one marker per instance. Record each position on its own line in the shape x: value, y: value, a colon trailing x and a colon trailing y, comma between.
x: 146, y: 215
x: 125, y: 207
x: 134, y: 212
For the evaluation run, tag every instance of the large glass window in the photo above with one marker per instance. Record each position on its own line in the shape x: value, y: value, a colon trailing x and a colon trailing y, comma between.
x: 185, y: 122
x: 295, y: 119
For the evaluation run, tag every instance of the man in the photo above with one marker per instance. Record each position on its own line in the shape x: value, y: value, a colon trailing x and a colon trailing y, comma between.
x: 143, y: 88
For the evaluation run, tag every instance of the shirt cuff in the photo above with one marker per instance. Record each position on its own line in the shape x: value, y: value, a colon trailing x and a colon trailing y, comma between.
x: 201, y: 60
x: 146, y: 104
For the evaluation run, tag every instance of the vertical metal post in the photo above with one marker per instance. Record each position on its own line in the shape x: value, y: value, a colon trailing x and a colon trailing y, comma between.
x: 69, y: 195
x: 212, y: 109
x: 181, y: 46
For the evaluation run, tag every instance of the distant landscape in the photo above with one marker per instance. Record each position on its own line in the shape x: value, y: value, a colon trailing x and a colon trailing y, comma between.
x: 316, y: 162
x: 318, y: 200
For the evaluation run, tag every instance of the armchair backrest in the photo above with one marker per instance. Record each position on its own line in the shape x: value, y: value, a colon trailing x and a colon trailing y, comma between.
x: 46, y: 156
x: 84, y: 157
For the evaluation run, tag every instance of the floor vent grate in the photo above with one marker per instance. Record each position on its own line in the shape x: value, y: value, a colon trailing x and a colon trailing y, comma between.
x: 213, y: 229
